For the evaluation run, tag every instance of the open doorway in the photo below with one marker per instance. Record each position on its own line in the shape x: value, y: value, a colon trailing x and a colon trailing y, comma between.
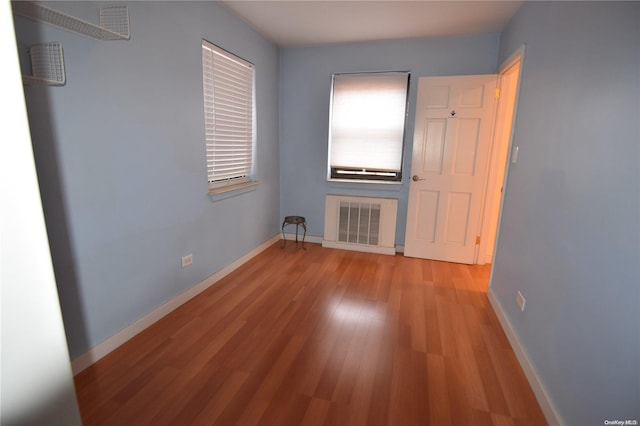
x: 507, y: 90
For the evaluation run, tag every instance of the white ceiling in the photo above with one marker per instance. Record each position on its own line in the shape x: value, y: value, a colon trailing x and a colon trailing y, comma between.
x: 305, y: 22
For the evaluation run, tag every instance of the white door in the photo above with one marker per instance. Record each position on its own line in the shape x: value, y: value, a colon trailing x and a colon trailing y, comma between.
x: 451, y: 143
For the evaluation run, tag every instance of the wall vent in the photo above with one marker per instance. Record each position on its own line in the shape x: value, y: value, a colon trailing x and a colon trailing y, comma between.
x: 360, y: 223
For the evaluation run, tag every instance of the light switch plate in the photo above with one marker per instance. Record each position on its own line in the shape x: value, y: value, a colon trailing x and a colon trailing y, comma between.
x: 514, y: 155
x: 520, y: 300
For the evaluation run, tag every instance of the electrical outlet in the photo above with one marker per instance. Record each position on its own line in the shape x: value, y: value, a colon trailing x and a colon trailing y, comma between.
x: 521, y: 301
x: 187, y: 260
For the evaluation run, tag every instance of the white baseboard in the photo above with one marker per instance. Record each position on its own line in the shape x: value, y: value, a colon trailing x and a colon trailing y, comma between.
x: 546, y: 404
x: 331, y: 244
x: 356, y: 247
x: 307, y: 239
x: 113, y: 342
x: 320, y: 240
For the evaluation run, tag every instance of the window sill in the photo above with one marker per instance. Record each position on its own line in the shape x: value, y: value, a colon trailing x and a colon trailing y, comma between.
x: 232, y: 188
x: 358, y: 181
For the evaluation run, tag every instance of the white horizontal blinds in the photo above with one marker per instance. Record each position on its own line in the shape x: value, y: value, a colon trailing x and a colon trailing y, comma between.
x: 229, y: 120
x: 367, y: 120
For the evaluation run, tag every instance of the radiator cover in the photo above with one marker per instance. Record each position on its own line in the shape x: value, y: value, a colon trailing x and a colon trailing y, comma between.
x: 360, y: 223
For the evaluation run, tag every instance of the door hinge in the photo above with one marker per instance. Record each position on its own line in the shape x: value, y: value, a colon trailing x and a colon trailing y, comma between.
x: 497, y: 92
x: 478, y: 239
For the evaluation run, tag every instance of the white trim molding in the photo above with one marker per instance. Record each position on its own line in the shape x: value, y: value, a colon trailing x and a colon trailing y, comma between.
x: 390, y: 251
x: 94, y: 354
x: 314, y: 239
x: 291, y: 238
x: 539, y: 390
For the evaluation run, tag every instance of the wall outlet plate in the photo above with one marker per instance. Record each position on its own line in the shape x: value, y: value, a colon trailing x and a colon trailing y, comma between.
x: 187, y: 260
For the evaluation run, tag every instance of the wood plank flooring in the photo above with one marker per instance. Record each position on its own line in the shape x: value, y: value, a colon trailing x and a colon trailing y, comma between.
x: 320, y: 336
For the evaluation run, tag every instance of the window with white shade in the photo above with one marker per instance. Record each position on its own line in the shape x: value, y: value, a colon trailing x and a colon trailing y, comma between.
x: 229, y: 115
x: 366, y: 130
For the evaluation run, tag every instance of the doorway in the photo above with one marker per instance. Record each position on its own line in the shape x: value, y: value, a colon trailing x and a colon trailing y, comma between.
x: 507, y: 90
x: 459, y: 164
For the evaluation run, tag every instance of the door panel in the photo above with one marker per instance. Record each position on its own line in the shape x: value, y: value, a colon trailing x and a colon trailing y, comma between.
x: 457, y: 217
x: 438, y: 97
x: 472, y: 96
x: 451, y: 144
x: 434, y: 146
x: 466, y: 145
x: 428, y: 207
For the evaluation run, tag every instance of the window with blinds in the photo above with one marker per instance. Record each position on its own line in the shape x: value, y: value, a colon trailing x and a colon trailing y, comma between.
x: 229, y: 115
x: 366, y: 130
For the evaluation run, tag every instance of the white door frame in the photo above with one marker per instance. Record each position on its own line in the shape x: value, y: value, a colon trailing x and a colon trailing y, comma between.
x: 481, y: 257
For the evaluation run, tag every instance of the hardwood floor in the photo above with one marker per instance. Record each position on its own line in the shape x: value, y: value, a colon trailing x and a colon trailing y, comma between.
x: 321, y: 336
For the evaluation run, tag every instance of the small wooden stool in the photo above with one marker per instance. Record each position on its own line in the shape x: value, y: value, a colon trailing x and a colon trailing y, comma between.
x: 297, y: 221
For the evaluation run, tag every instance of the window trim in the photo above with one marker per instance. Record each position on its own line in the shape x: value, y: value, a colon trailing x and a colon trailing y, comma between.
x: 368, y: 175
x: 218, y: 190
x: 247, y: 178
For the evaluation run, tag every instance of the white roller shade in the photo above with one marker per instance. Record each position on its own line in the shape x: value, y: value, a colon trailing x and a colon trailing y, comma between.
x: 228, y: 83
x: 367, y: 121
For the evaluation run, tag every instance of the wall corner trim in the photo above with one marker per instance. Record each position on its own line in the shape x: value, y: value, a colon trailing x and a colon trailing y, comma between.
x: 94, y: 354
x: 539, y: 390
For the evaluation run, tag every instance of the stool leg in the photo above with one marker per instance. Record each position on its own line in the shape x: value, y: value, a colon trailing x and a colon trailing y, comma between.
x: 284, y: 240
x: 296, y: 234
x: 304, y: 226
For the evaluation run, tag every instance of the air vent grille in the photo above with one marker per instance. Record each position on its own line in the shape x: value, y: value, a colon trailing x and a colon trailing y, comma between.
x: 359, y: 223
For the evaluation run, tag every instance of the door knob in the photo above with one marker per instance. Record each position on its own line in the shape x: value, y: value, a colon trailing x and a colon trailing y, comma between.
x: 416, y: 178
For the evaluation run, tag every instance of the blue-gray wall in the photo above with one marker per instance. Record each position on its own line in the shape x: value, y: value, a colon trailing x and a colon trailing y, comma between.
x: 305, y: 86
x: 570, y: 230
x: 120, y: 157
x: 121, y: 162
